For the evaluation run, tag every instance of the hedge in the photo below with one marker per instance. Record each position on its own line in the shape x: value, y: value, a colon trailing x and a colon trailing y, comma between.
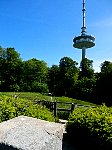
x: 10, y: 108
x: 91, y: 127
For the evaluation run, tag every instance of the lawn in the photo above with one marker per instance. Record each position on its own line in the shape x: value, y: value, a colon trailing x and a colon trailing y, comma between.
x: 38, y: 96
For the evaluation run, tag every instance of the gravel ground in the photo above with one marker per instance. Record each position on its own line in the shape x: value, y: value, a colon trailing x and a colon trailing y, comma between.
x: 66, y: 145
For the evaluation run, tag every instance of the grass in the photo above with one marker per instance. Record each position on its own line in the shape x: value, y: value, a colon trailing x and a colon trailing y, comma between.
x: 32, y: 96
x: 38, y: 96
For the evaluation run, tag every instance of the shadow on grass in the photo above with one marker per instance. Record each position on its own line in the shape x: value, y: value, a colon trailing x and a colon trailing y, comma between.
x: 7, y: 147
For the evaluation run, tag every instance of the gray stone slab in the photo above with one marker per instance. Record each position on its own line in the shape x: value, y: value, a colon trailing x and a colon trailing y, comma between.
x: 26, y: 133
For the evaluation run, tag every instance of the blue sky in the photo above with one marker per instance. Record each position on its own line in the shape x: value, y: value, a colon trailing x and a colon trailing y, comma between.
x: 44, y: 29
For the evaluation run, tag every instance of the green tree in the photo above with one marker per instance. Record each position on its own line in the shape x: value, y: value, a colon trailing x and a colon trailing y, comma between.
x: 84, y: 89
x: 68, y: 76
x: 53, y: 79
x: 35, y: 72
x: 106, y: 67
x: 85, y: 85
x: 86, y: 68
x: 104, y: 84
x: 10, y: 68
x: 62, y: 78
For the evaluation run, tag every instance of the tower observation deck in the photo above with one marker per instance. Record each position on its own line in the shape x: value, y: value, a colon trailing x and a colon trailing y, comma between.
x: 84, y: 41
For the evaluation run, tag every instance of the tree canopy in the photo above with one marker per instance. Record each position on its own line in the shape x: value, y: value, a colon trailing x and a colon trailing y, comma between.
x: 64, y: 79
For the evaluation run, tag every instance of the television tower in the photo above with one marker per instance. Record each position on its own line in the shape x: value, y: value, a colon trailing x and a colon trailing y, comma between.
x: 84, y: 41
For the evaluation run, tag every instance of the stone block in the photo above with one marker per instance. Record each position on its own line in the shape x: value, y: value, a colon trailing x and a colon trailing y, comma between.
x: 27, y: 133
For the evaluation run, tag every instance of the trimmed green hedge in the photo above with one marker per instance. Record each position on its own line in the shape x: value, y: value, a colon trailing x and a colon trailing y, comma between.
x: 91, y: 128
x: 10, y: 108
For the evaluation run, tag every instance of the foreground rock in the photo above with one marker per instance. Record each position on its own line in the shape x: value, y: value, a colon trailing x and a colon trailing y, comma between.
x: 26, y: 133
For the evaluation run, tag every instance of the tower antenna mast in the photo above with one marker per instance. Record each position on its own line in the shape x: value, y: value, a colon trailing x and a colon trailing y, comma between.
x: 84, y: 41
x: 84, y: 19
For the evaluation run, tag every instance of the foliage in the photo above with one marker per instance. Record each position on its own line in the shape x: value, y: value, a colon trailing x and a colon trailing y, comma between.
x: 68, y: 75
x: 62, y: 78
x: 84, y: 88
x: 11, y: 107
x: 17, y: 75
x: 91, y: 127
x: 63, y: 115
x: 106, y: 67
x: 65, y: 79
x: 86, y: 68
x: 104, y: 84
x: 39, y: 87
x: 53, y: 79
x: 34, y: 71
x: 10, y: 70
x: 37, y: 96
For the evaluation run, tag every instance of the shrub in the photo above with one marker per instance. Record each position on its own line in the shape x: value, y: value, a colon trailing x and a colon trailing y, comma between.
x: 14, y: 87
x: 10, y: 108
x: 91, y: 127
x: 39, y: 87
x: 63, y: 115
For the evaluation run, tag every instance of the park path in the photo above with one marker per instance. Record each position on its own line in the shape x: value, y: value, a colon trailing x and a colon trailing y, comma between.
x: 66, y: 143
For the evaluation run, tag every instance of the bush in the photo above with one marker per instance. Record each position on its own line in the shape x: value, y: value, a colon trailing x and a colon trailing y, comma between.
x: 10, y: 108
x: 91, y: 127
x: 39, y: 87
x: 63, y: 115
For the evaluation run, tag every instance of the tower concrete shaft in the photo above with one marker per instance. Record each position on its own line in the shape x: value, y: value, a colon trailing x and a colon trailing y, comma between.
x: 83, y: 53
